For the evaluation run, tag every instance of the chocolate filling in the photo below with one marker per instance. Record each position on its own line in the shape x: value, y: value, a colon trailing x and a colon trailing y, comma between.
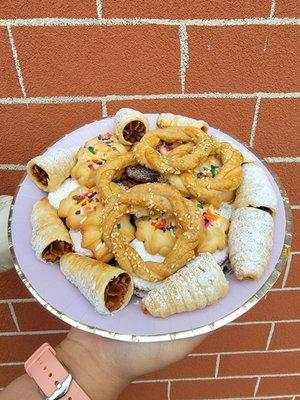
x: 40, y: 174
x: 266, y: 209
x: 142, y: 174
x: 134, y: 131
x: 115, y: 292
x: 55, y: 250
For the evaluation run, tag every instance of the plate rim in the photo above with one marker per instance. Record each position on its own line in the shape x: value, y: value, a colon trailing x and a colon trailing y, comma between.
x: 246, y: 306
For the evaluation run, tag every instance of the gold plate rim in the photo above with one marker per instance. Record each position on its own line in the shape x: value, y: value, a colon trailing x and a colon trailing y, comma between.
x: 186, y: 333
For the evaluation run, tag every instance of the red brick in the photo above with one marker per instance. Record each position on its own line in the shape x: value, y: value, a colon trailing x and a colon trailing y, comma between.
x: 276, y: 306
x: 293, y: 279
x: 40, y: 320
x: 212, y: 389
x: 277, y: 131
x: 145, y: 391
x: 11, y: 286
x: 222, y: 339
x: 289, y: 175
x: 286, y: 336
x: 296, y: 230
x: 287, y: 8
x: 280, y: 385
x: 9, y: 373
x: 45, y: 123
x: 192, y: 9
x: 19, y: 348
x: 195, y: 367
x: 214, y: 111
x: 9, y: 85
x: 6, y: 321
x: 41, y: 9
x: 9, y: 180
x: 233, y: 59
x: 259, y: 363
x: 99, y: 60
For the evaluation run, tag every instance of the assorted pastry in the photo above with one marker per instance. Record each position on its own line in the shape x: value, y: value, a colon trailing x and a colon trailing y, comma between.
x: 162, y: 214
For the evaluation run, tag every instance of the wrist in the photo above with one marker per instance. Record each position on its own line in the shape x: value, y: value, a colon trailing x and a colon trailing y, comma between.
x: 98, y: 380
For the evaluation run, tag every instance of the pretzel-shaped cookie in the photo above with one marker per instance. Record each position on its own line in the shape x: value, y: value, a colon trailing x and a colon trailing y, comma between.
x: 195, y: 146
x: 158, y: 197
x: 218, y: 187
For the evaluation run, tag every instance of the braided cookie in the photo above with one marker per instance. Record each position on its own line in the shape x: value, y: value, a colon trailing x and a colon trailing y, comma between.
x: 255, y: 190
x: 77, y: 205
x: 195, y: 146
x: 165, y: 120
x: 49, y: 170
x: 94, y: 154
x: 131, y: 125
x: 199, y: 284
x: 218, y: 182
x: 250, y: 242
x: 109, y: 289
x: 158, y: 197
x: 50, y: 238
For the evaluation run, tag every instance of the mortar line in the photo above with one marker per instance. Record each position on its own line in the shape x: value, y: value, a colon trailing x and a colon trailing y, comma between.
x: 33, y: 333
x: 217, y: 365
x: 104, y: 108
x: 211, y: 378
x: 295, y: 207
x: 254, y: 123
x: 270, y: 335
x: 13, y: 315
x: 245, y: 352
x: 11, y: 364
x: 169, y: 391
x: 30, y: 300
x: 203, y: 95
x: 256, y: 386
x: 184, y: 55
x: 274, y: 160
x: 287, y: 270
x: 12, y: 167
x: 16, y: 61
x: 272, y: 10
x: 263, y: 322
x: 99, y: 8
x: 146, y: 21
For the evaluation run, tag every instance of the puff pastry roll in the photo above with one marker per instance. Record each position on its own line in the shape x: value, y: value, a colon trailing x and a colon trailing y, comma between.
x: 255, y: 190
x: 250, y: 241
x: 195, y: 286
x: 108, y: 289
x: 165, y: 120
x: 131, y: 125
x: 50, y: 238
x: 49, y: 170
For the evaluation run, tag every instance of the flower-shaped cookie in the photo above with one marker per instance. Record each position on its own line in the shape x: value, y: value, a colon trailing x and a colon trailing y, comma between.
x: 158, y: 232
x: 77, y: 205
x: 94, y: 154
x: 213, y: 237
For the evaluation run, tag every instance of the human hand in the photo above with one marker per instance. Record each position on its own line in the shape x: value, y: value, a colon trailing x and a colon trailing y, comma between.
x: 96, y: 360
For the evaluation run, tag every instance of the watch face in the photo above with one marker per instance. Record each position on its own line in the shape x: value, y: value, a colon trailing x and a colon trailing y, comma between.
x: 6, y: 261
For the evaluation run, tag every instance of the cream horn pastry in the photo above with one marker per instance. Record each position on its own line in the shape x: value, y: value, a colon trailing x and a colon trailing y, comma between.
x: 199, y: 284
x: 49, y: 170
x: 50, y: 238
x: 131, y: 125
x: 255, y: 190
x: 108, y: 289
x: 165, y: 120
x: 250, y: 241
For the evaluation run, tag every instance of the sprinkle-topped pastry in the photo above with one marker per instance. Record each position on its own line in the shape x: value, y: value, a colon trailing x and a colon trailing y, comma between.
x: 157, y: 233
x: 77, y: 205
x: 93, y: 155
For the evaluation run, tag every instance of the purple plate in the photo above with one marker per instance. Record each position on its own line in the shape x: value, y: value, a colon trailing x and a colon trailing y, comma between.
x: 61, y: 298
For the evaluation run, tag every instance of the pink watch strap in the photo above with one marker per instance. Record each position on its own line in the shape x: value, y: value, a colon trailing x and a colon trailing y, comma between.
x: 49, y: 374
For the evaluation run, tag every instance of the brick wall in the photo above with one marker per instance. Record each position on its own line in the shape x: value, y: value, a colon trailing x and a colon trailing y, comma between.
x: 233, y: 63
